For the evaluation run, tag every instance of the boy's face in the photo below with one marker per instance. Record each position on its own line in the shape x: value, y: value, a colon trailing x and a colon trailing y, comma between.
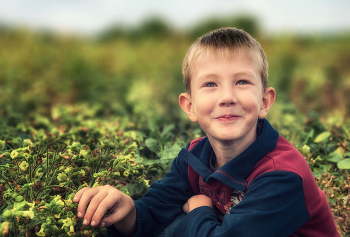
x: 227, y: 98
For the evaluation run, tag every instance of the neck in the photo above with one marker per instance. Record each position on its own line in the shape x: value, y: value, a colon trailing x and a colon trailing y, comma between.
x: 226, y: 151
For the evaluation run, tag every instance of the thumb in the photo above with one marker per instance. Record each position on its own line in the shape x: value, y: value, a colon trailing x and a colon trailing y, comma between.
x: 107, y: 221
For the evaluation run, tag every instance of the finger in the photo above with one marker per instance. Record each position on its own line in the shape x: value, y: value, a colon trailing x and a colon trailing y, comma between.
x: 110, y: 219
x: 84, y: 201
x: 77, y: 196
x: 118, y: 204
x: 96, y: 206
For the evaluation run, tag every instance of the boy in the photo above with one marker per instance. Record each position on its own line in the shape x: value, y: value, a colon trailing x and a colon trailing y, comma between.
x: 242, y: 179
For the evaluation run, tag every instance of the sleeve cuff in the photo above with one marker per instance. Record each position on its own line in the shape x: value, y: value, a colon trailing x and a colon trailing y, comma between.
x: 203, y: 212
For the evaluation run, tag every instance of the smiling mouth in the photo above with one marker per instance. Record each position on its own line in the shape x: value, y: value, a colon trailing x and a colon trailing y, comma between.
x: 227, y: 117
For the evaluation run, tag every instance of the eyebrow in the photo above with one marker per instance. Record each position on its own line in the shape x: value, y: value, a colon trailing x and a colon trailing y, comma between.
x: 243, y: 73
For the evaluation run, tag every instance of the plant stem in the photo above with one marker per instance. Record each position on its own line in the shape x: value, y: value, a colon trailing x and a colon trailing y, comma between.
x: 47, y: 162
x: 6, y: 181
x: 49, y: 187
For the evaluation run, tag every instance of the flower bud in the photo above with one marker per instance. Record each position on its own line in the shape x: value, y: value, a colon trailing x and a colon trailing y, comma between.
x: 7, y: 196
x: 37, y: 185
x: 62, y: 177
x: 41, y: 232
x: 7, y: 214
x: 19, y: 199
x: 56, y: 210
x: 71, y: 230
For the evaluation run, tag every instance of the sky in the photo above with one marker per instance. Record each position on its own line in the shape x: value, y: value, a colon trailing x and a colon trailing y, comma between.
x: 92, y: 16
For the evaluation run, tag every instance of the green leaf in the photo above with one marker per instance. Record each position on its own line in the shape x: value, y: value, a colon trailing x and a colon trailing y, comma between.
x: 344, y: 164
x: 130, y: 188
x: 323, y: 136
x: 309, y: 135
x: 150, y: 162
x: 172, y: 152
x: 336, y: 157
x: 167, y: 129
x: 139, y: 188
x: 152, y: 144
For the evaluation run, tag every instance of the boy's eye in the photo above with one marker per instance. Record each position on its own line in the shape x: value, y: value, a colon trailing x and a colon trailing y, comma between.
x: 210, y: 84
x: 242, y: 82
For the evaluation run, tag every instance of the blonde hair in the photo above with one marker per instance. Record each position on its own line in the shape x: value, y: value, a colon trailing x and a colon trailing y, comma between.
x: 225, y: 42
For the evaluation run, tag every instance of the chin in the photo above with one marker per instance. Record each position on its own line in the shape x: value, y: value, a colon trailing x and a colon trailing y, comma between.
x: 226, y: 138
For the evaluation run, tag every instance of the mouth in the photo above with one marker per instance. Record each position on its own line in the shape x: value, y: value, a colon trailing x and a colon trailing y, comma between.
x: 227, y: 117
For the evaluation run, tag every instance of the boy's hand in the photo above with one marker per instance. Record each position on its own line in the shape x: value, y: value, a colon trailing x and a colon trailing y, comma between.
x: 121, y: 208
x: 197, y: 201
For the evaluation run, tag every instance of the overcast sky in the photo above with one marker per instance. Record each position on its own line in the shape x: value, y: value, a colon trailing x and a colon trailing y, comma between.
x: 90, y: 16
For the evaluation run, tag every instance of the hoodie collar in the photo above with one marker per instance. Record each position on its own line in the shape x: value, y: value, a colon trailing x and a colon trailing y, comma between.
x: 235, y: 172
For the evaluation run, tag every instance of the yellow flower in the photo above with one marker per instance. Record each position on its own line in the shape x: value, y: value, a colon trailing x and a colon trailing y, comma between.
x: 41, y: 232
x: 2, y: 144
x: 60, y: 202
x: 62, y: 177
x: 29, y: 213
x: 57, y: 197
x: 82, y: 173
x: 24, y: 165
x: 67, y: 222
x: 305, y: 149
x: 71, y: 231
x: 14, y: 154
x: 27, y: 142
x: 26, y: 156
x: 68, y: 201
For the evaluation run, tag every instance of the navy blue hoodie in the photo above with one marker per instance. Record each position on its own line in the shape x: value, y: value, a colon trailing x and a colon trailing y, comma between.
x: 279, y: 195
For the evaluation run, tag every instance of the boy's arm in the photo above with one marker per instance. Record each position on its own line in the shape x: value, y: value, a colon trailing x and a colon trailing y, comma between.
x: 163, y: 202
x: 273, y: 206
x: 197, y: 201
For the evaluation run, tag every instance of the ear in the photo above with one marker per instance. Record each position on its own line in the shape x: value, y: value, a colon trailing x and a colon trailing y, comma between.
x: 267, y: 101
x: 187, y: 106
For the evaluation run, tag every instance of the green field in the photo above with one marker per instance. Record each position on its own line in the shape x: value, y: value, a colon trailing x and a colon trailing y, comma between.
x: 77, y: 111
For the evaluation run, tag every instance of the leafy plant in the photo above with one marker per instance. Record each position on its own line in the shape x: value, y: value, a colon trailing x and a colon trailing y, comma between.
x: 39, y: 176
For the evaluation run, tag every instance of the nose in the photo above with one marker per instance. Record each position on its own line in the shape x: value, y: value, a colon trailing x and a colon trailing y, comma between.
x: 227, y: 98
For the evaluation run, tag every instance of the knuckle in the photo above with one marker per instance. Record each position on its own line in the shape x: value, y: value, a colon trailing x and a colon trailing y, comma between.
x: 84, y: 189
x: 114, y: 191
x: 84, y: 195
x: 95, y: 201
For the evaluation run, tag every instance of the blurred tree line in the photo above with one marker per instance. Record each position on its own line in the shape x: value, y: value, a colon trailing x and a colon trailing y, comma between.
x: 137, y: 70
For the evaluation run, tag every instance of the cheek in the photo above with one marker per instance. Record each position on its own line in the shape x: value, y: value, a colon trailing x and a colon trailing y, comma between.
x: 250, y: 103
x: 204, y: 105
